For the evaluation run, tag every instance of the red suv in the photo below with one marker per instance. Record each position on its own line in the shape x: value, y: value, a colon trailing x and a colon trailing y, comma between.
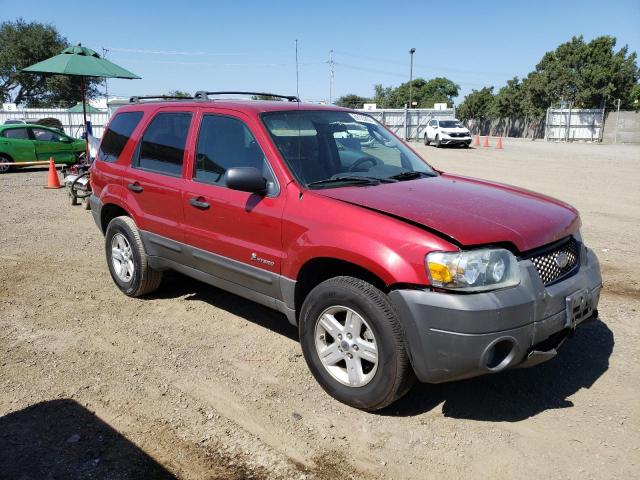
x: 392, y: 270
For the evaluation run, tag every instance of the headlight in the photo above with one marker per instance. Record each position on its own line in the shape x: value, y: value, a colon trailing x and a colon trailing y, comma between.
x: 473, y: 270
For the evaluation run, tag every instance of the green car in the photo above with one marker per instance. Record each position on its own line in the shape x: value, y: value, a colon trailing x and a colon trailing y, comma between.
x: 30, y: 143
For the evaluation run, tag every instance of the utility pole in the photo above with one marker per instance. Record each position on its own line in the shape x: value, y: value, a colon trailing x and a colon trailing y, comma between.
x: 330, y: 77
x: 297, y: 75
x: 411, y: 52
x: 615, y: 135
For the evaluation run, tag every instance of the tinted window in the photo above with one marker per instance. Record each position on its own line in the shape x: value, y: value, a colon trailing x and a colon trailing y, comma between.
x: 162, y: 145
x: 223, y: 143
x: 16, y: 133
x: 43, y: 135
x: 450, y: 124
x: 117, y: 135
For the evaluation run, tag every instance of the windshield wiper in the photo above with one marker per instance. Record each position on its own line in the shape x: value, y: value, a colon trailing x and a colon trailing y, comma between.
x: 411, y: 175
x: 346, y: 179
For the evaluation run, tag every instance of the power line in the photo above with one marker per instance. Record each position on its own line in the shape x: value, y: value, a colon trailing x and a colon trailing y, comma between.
x: 188, y: 53
x: 420, y: 65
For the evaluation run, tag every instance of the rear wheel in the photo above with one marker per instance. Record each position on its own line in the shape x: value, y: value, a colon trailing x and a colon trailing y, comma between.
x: 426, y: 140
x: 127, y: 259
x: 353, y: 343
x: 4, y: 160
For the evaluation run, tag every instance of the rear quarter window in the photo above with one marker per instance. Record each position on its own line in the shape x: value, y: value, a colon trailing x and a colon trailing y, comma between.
x: 117, y: 135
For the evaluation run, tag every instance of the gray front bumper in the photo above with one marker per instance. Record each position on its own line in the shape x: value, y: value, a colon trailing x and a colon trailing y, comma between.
x: 452, y: 336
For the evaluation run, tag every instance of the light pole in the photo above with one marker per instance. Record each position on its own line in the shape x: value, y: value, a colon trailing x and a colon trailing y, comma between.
x: 411, y: 52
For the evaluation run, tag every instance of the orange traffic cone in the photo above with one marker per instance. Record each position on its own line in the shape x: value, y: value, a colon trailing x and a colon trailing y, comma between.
x: 499, y: 144
x: 486, y: 141
x: 476, y: 141
x: 53, y: 180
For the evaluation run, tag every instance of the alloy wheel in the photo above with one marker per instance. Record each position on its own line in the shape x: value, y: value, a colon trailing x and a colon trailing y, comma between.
x: 346, y: 346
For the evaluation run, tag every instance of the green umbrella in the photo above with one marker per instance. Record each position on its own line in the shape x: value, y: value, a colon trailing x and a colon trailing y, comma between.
x: 81, y: 62
x: 77, y: 108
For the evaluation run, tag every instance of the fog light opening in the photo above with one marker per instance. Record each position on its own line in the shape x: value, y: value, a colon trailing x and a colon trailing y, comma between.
x: 499, y: 355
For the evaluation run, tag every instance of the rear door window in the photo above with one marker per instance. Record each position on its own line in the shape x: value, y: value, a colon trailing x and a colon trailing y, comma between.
x: 18, y: 133
x: 117, y: 135
x: 161, y: 149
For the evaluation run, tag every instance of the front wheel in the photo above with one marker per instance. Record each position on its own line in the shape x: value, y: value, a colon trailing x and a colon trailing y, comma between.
x: 426, y: 140
x: 438, y: 144
x: 127, y: 259
x: 354, y: 345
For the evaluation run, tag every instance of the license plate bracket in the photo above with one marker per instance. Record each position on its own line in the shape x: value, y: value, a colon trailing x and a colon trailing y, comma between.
x: 579, y: 307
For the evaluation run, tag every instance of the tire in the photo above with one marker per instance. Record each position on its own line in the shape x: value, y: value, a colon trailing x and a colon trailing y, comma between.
x: 438, y: 145
x: 123, y: 235
x: 376, y: 385
x: 426, y: 140
x: 465, y: 145
x: 5, y: 168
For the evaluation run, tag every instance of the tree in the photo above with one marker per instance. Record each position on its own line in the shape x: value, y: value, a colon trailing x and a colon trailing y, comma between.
x: 586, y: 74
x: 351, y: 100
x: 634, y: 99
x: 509, y: 100
x: 178, y: 93
x: 478, y: 104
x: 424, y: 92
x: 23, y: 44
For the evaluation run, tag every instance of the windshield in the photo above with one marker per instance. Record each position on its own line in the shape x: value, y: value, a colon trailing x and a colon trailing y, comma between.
x: 450, y: 124
x: 333, y: 148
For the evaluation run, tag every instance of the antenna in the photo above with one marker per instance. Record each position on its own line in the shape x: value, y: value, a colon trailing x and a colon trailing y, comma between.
x: 331, y: 77
x: 297, y: 75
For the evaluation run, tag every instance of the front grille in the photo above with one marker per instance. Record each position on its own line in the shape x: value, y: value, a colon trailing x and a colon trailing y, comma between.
x: 549, y: 263
x: 457, y: 135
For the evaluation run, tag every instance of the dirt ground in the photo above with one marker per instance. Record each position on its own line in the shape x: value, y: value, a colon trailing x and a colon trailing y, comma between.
x: 197, y: 383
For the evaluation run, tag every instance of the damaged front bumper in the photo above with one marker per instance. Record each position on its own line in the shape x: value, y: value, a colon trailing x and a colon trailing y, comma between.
x: 453, y: 336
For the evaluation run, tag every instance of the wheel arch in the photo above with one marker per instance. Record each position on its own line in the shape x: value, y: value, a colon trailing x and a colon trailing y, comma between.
x: 108, y: 212
x: 317, y: 270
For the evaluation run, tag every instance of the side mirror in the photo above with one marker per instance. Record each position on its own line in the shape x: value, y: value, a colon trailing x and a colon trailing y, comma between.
x: 64, y: 140
x: 245, y: 179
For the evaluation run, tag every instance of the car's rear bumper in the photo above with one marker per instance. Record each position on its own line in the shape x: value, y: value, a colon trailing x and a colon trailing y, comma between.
x: 96, y: 210
x: 453, y: 336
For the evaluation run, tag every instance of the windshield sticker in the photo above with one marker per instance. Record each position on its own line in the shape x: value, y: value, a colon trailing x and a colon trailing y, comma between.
x: 362, y: 118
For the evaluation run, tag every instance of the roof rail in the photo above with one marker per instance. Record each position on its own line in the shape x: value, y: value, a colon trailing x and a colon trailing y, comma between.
x: 139, y: 98
x: 202, y: 95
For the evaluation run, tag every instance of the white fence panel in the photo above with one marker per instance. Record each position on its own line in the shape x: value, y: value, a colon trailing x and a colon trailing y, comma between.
x: 408, y: 124
x: 72, y: 122
x: 565, y: 124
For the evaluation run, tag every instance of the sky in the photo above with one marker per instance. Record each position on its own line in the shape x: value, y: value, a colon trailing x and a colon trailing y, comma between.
x: 250, y: 45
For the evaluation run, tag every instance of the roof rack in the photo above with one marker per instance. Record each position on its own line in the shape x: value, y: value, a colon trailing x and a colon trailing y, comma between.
x: 138, y: 98
x: 202, y: 95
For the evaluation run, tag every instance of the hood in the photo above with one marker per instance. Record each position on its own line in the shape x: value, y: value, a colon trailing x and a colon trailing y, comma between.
x: 467, y: 210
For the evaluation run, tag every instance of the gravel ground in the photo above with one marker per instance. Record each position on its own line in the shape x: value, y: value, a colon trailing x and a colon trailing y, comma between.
x: 197, y: 383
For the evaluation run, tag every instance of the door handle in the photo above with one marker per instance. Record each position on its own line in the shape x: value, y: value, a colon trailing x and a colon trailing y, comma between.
x: 196, y: 202
x: 135, y: 187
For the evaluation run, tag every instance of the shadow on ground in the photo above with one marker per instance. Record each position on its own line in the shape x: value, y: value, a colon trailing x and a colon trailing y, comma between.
x: 177, y: 285
x: 62, y: 439
x: 508, y: 396
x: 517, y: 394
